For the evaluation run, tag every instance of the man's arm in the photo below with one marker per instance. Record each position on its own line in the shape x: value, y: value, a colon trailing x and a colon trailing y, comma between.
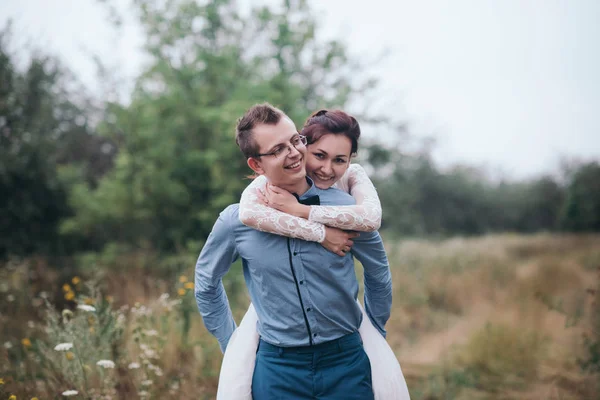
x: 214, y: 261
x: 368, y: 249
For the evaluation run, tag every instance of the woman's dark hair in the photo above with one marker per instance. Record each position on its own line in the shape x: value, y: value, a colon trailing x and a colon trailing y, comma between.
x: 337, y: 122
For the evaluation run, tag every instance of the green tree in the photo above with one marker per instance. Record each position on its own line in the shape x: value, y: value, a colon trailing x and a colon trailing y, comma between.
x: 178, y: 164
x: 41, y: 127
x: 581, y: 212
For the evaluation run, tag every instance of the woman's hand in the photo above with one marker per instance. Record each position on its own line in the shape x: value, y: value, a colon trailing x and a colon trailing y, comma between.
x: 284, y: 201
x: 338, y: 241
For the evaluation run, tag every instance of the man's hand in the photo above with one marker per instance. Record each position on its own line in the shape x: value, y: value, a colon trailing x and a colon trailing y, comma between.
x: 284, y: 201
x: 338, y: 241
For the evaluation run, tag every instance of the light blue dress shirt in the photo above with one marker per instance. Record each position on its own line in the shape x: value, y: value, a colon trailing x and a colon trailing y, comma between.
x: 303, y: 294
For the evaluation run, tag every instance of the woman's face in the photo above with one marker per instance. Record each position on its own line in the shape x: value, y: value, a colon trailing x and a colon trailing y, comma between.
x: 328, y: 159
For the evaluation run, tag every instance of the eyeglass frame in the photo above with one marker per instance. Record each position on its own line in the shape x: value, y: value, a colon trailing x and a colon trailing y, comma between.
x: 303, y: 141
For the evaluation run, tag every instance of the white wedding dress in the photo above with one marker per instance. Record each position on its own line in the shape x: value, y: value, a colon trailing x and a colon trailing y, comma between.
x: 235, y: 380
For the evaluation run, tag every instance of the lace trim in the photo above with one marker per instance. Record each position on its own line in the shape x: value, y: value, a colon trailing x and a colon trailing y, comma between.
x: 365, y: 216
x: 267, y: 219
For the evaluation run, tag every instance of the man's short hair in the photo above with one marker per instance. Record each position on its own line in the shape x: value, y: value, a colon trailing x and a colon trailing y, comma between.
x: 258, y: 114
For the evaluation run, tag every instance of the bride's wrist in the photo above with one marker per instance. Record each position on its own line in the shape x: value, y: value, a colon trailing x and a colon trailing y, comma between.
x: 300, y: 210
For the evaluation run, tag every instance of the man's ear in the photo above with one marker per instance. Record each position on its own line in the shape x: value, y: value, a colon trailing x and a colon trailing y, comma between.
x: 255, y: 165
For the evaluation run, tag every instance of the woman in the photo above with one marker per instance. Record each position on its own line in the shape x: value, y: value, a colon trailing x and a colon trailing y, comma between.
x: 332, y: 140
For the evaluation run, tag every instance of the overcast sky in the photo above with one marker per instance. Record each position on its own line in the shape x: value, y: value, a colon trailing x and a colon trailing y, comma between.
x: 508, y: 84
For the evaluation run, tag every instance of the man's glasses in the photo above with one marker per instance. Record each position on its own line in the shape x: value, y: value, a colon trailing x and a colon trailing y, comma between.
x: 298, y: 140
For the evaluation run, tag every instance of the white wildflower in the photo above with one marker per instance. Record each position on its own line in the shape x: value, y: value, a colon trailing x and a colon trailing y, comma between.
x: 43, y: 295
x: 143, y: 393
x: 86, y: 307
x: 31, y: 324
x: 141, y: 310
x: 8, y: 345
x: 63, y: 347
x: 10, y: 298
x: 156, y: 369
x: 68, y: 393
x: 150, y: 353
x: 133, y: 365
x: 121, y: 320
x: 151, y: 332
x: 147, y: 382
x: 106, y: 364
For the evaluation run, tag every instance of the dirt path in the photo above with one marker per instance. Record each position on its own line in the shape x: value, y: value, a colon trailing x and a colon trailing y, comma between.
x: 431, y: 348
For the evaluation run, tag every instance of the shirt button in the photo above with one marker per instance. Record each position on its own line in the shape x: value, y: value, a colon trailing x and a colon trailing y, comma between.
x: 308, y: 309
x: 314, y: 335
x: 302, y: 282
x: 295, y: 253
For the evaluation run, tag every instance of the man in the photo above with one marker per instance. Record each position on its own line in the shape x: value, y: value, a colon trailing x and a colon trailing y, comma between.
x: 304, y: 295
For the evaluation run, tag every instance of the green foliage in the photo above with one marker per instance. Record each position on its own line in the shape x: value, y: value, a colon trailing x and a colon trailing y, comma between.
x: 178, y: 164
x: 152, y: 174
x: 419, y: 198
x: 581, y: 211
x: 42, y: 125
x: 144, y: 350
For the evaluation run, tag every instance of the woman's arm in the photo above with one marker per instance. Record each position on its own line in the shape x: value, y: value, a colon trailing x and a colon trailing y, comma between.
x: 365, y: 216
x: 267, y: 219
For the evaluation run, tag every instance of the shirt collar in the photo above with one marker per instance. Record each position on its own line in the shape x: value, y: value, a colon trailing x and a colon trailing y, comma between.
x: 312, y: 190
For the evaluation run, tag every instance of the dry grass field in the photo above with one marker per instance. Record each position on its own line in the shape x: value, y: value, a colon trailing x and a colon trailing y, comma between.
x: 494, y: 317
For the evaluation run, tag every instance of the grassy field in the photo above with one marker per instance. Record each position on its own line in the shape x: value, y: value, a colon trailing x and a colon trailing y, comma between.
x: 495, y: 317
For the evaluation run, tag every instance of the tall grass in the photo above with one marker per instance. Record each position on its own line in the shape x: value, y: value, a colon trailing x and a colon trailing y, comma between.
x: 496, y: 317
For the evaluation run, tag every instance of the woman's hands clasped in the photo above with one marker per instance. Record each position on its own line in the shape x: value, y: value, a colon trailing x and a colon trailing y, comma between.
x: 336, y: 240
x: 282, y: 200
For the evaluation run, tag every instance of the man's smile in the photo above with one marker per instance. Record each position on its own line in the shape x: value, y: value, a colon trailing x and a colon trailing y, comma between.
x: 295, y: 165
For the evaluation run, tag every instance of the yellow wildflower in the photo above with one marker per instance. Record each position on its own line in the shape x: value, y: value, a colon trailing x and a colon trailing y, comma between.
x: 12, y: 397
x: 189, y: 285
x: 1, y: 381
x: 34, y: 398
x: 66, y: 287
x: 26, y: 342
x: 181, y: 292
x: 92, y: 330
x: 89, y: 301
x: 110, y: 299
x: 183, y: 279
x: 69, y: 355
x: 75, y: 280
x: 69, y: 295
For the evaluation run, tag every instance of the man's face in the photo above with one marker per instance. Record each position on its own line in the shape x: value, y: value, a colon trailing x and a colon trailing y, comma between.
x: 287, y: 167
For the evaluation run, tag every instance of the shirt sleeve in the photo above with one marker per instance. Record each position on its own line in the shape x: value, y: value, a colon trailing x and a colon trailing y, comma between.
x: 364, y: 216
x: 214, y: 261
x: 368, y: 249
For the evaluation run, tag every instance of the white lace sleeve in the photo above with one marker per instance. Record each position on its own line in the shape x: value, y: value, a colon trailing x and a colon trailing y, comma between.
x: 267, y: 219
x: 365, y: 216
